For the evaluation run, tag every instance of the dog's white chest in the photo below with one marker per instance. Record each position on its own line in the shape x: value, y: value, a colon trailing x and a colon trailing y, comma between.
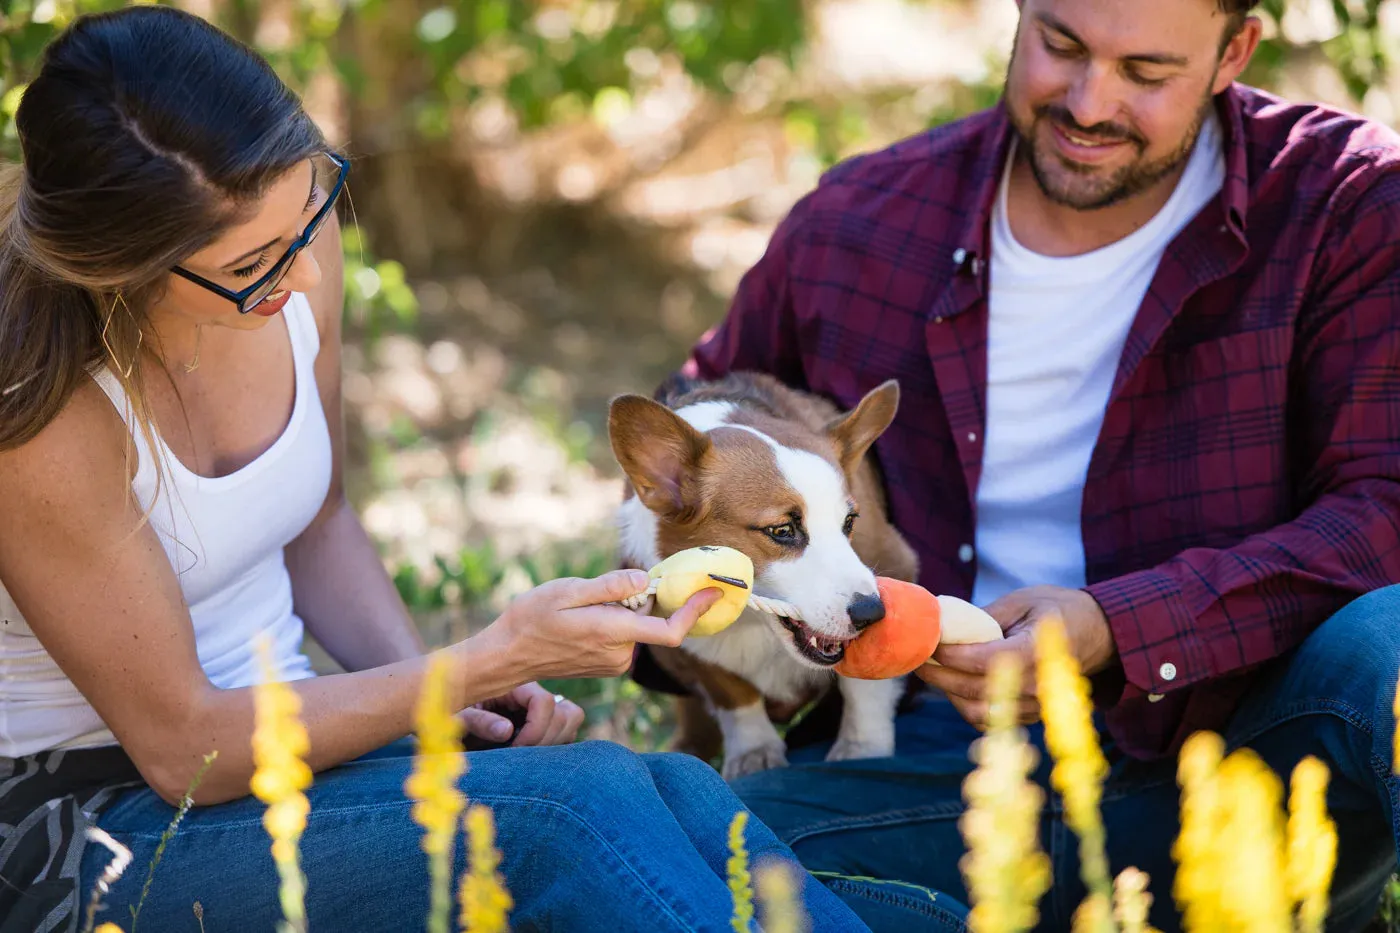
x: 751, y: 649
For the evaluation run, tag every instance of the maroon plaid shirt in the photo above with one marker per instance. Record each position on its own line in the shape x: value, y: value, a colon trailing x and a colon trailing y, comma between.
x: 1246, y: 482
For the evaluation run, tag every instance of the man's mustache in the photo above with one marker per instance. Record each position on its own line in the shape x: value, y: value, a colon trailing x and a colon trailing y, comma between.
x: 1106, y: 132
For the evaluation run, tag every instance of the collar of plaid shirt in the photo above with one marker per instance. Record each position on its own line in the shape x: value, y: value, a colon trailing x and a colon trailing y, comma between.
x: 1246, y: 480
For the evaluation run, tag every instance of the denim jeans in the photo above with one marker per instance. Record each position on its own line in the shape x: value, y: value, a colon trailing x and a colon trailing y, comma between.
x: 593, y: 838
x: 896, y: 818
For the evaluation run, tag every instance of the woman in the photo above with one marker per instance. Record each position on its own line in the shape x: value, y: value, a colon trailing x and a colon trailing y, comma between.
x: 170, y: 468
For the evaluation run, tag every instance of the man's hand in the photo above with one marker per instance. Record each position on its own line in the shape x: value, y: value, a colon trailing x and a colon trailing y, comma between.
x: 961, y: 672
x: 547, y: 719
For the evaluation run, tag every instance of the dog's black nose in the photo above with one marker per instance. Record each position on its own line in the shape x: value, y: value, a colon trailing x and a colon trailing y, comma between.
x: 865, y: 609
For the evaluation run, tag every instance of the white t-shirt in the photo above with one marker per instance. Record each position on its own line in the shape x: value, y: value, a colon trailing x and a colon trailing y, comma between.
x: 1055, y: 334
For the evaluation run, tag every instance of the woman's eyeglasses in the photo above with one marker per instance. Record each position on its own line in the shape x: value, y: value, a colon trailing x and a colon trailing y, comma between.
x: 324, y: 165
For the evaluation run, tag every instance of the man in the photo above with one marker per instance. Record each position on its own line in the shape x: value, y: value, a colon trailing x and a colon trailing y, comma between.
x: 1145, y: 322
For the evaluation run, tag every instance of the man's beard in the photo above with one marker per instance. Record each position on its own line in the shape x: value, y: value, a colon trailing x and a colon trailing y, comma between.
x: 1050, y: 169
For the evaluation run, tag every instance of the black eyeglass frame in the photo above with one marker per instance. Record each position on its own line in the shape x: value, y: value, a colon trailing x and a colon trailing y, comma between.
x: 279, y: 269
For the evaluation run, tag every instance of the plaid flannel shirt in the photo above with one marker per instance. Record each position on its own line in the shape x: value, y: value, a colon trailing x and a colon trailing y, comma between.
x: 1246, y: 481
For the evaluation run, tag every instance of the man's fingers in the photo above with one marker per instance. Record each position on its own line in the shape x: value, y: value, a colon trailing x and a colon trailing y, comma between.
x: 1008, y: 609
x: 969, y: 686
x: 952, y: 681
x: 484, y: 724
x: 971, y: 659
x: 976, y: 711
x: 977, y: 658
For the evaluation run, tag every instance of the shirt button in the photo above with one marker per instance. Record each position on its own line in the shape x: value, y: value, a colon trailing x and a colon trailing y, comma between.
x: 965, y: 553
x: 972, y: 437
x: 1168, y: 671
x: 1154, y: 697
x: 959, y: 255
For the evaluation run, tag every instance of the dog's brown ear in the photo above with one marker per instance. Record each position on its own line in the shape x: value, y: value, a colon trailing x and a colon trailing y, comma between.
x: 658, y: 450
x: 854, y: 432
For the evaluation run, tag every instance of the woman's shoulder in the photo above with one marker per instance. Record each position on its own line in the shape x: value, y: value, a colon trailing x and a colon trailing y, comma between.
x: 84, y: 444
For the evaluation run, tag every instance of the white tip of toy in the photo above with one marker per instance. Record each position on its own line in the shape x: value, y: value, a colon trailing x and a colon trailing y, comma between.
x: 963, y: 623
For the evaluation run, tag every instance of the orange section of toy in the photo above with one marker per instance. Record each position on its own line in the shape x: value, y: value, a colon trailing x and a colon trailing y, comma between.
x: 900, y: 642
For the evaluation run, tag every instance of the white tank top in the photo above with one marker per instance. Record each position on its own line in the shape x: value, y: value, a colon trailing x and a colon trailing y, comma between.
x: 224, y: 537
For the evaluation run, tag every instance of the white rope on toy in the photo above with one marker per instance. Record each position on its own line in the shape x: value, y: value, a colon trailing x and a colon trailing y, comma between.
x: 776, y: 607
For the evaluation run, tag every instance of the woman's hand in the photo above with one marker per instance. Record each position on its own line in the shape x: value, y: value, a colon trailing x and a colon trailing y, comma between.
x: 548, y: 719
x: 562, y: 628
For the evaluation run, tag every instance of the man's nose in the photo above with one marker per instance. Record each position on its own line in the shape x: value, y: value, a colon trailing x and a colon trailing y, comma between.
x: 1091, y: 100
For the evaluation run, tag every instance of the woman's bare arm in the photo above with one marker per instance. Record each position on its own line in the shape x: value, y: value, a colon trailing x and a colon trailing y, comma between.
x: 102, y: 598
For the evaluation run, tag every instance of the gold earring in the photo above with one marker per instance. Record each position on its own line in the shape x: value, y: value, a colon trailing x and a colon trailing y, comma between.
x: 107, y: 324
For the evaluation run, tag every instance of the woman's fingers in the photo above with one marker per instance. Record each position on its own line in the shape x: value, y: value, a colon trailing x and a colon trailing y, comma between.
x: 539, y: 713
x: 577, y: 592
x: 484, y: 724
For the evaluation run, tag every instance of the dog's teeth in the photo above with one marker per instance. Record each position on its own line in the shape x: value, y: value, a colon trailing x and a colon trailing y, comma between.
x: 812, y: 641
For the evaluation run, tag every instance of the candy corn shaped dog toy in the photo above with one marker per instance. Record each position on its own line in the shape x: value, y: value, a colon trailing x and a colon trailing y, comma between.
x: 915, y: 623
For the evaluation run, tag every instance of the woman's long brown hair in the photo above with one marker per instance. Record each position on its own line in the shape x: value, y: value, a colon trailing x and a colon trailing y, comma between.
x: 145, y: 134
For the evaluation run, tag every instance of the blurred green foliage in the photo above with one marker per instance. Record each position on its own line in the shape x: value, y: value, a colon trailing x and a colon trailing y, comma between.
x: 551, y: 62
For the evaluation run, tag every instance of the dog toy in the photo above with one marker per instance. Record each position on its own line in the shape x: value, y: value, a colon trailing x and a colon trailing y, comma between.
x: 685, y: 573
x: 915, y: 623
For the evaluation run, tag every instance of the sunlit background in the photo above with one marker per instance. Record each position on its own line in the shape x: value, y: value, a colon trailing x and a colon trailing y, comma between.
x: 552, y: 201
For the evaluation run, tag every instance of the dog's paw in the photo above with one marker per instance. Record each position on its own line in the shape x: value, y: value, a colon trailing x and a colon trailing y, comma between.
x: 852, y: 749
x: 755, y: 760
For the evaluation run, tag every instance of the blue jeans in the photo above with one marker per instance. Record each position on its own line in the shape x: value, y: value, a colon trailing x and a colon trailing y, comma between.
x: 593, y: 837
x: 897, y: 818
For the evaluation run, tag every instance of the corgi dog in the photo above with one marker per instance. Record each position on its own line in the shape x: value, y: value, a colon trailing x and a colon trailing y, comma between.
x: 784, y: 477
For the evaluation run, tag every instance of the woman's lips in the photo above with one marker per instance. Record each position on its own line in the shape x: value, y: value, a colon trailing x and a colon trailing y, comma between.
x: 272, y: 304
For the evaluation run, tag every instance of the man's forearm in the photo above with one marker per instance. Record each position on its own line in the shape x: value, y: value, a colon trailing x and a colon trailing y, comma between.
x: 345, y: 597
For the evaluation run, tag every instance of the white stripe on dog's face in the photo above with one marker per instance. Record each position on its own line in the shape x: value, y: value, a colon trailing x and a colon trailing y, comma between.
x: 822, y: 580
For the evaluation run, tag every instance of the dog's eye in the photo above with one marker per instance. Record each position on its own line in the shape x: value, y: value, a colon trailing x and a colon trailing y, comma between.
x: 850, y: 525
x: 786, y: 533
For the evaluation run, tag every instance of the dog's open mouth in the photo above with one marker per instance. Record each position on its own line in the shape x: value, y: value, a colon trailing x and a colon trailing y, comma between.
x: 815, y: 647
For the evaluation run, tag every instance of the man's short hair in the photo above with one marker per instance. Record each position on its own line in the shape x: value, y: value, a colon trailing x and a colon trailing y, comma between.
x: 1235, y: 12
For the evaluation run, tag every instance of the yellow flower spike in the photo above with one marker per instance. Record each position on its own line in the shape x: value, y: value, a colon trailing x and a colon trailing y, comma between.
x: 1093, y: 914
x: 1005, y: 870
x: 485, y: 901
x: 280, y: 775
x: 438, y: 802
x: 1196, y: 887
x: 1230, y: 849
x: 740, y: 885
x: 776, y: 883
x: 1080, y: 767
x: 1395, y: 756
x: 108, y: 928
x: 1131, y: 901
x: 1312, y: 844
x: 1252, y: 838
